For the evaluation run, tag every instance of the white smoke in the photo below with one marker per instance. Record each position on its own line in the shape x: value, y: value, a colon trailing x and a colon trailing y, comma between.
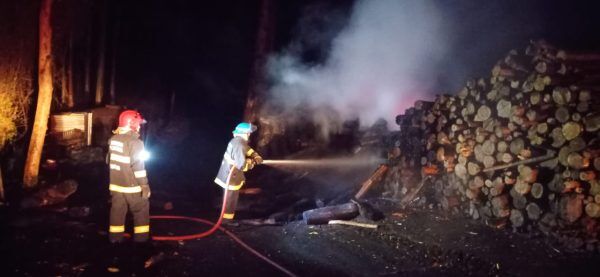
x: 379, y: 64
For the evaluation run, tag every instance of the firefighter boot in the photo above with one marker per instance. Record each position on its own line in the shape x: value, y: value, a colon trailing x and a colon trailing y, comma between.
x: 229, y: 223
x: 115, y: 256
x: 142, y: 252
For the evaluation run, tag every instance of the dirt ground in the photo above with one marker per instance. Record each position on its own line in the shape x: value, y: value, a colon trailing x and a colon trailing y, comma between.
x: 57, y: 241
x: 407, y: 243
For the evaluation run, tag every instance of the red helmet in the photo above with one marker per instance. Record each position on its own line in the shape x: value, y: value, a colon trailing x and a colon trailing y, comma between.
x: 131, y: 119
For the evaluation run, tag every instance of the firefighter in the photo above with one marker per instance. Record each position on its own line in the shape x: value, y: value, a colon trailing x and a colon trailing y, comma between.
x: 238, y: 158
x: 128, y: 186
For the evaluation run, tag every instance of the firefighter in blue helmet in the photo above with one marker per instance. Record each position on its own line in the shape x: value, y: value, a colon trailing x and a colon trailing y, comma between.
x: 238, y: 158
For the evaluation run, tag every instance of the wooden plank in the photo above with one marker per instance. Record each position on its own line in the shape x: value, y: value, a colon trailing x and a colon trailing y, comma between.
x: 353, y: 223
x: 546, y: 157
x: 375, y: 178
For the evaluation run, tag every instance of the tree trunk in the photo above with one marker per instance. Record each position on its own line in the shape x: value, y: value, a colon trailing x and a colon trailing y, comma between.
x: 67, y: 77
x: 71, y: 98
x: 88, y: 63
x: 113, y: 69
x: 44, y: 101
x: 101, y: 59
x: 1, y: 186
x: 325, y: 214
x: 64, y: 87
x: 264, y: 41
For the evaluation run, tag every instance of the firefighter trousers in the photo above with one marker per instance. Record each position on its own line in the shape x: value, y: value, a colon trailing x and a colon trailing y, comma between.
x: 139, y: 207
x: 232, y: 199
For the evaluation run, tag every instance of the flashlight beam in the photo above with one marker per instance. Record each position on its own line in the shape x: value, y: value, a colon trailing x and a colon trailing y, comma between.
x: 144, y: 155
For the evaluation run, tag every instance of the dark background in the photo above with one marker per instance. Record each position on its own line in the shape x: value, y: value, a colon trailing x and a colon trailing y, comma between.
x: 204, y: 50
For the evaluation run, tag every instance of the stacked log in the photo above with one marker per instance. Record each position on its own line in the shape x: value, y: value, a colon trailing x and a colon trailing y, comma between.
x: 405, y: 156
x: 520, y: 148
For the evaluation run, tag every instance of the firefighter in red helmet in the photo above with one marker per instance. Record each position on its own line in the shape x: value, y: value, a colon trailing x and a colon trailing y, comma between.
x: 238, y: 158
x: 128, y: 186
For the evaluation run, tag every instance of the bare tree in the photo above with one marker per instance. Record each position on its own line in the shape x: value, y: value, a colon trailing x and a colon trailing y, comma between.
x: 42, y: 112
x: 264, y: 42
x: 64, y: 79
x: 66, y: 70
x: 101, y: 58
x: 88, y: 62
x: 71, y: 81
x: 67, y: 76
x: 113, y: 69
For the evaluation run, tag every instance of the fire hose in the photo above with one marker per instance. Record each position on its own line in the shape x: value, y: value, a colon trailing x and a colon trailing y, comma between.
x: 215, y: 226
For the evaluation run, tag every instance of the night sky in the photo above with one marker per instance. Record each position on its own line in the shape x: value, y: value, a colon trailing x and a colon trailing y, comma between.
x: 204, y: 50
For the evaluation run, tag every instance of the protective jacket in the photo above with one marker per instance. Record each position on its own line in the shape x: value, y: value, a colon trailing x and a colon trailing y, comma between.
x: 127, y: 171
x: 128, y: 185
x: 236, y: 161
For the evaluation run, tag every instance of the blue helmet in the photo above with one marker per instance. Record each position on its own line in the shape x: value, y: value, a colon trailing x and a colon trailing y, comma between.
x: 244, y: 128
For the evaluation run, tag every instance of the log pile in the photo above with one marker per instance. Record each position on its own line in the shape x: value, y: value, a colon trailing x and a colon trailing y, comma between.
x: 405, y: 155
x: 520, y: 148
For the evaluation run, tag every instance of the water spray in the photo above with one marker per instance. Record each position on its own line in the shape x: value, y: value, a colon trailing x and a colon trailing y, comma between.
x: 330, y: 162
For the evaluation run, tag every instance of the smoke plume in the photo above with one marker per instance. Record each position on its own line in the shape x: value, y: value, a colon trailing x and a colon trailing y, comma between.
x: 378, y: 64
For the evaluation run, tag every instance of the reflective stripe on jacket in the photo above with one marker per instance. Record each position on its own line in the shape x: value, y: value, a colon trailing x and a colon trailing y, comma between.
x: 233, y: 165
x: 127, y: 171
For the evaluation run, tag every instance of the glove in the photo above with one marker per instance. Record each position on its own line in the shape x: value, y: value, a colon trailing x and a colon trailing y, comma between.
x: 146, y: 192
x: 257, y: 158
x: 249, y: 164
